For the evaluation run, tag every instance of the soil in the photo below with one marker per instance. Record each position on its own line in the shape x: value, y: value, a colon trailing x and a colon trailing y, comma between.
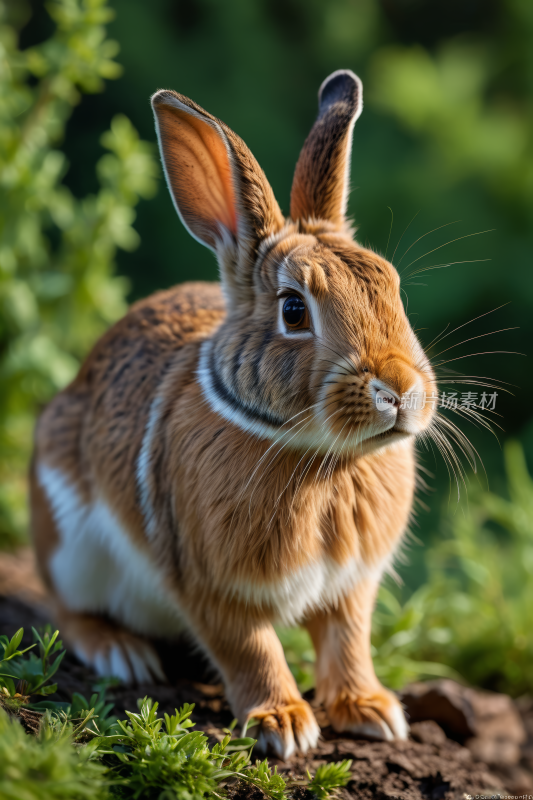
x: 429, y: 765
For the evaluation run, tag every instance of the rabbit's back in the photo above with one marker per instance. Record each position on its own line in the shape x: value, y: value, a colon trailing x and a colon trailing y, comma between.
x: 89, y: 438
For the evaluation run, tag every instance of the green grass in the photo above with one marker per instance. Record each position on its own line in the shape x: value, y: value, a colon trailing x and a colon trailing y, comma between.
x: 82, y: 751
x: 144, y: 756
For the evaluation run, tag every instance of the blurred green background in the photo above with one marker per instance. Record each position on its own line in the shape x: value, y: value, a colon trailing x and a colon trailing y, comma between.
x: 442, y: 174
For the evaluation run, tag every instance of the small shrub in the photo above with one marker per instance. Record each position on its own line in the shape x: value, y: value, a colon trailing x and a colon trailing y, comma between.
x: 58, y: 292
x: 32, y: 673
x: 47, y: 766
x: 474, y: 617
x: 328, y: 778
x: 270, y: 782
x: 158, y: 757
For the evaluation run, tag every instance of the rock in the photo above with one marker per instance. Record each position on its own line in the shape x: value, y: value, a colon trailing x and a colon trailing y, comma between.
x: 465, y: 713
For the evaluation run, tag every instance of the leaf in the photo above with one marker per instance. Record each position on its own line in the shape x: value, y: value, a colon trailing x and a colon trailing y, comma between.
x: 13, y: 644
x: 245, y: 743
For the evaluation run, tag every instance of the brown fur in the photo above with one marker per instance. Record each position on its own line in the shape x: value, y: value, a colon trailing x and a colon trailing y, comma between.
x: 322, y: 171
x: 236, y: 511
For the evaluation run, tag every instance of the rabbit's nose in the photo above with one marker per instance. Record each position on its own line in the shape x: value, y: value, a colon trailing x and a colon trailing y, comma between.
x: 385, y: 399
x: 397, y: 376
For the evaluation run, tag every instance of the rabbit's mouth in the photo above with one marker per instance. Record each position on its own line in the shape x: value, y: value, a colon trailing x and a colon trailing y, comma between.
x: 391, y: 436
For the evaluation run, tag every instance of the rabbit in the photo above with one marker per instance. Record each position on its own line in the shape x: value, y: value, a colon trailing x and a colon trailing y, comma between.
x: 235, y: 455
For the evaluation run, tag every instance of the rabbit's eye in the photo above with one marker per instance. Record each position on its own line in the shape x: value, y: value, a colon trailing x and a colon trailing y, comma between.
x: 295, y: 312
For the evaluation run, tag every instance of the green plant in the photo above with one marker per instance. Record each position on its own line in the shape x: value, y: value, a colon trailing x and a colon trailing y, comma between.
x: 398, y: 632
x: 89, y: 716
x: 47, y: 766
x: 35, y: 672
x: 328, y: 778
x: 474, y: 617
x: 155, y: 757
x: 57, y: 251
x: 8, y: 691
x: 270, y: 782
x: 300, y: 655
x: 81, y: 751
x: 32, y: 673
x: 152, y: 757
x: 80, y: 708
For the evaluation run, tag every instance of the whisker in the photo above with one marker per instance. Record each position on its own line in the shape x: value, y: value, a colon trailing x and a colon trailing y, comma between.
x: 485, y: 353
x: 330, y: 449
x: 448, y: 382
x: 471, y: 339
x: 446, y: 224
x: 449, y: 457
x: 430, y: 345
x: 350, y: 364
x: 286, y: 443
x: 265, y: 454
x: 461, y: 437
x: 443, y: 266
x: 406, y: 297
x: 403, y: 234
x: 459, y: 238
x: 453, y: 374
x: 390, y: 230
x: 465, y: 323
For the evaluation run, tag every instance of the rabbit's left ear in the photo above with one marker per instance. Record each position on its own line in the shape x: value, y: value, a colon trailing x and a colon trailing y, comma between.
x: 219, y: 190
x: 321, y: 180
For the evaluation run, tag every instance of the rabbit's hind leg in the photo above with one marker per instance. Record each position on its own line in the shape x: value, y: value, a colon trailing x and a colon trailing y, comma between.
x: 108, y: 648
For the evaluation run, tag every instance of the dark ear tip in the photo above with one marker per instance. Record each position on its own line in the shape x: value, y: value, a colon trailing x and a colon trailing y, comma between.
x: 341, y: 86
x: 162, y: 97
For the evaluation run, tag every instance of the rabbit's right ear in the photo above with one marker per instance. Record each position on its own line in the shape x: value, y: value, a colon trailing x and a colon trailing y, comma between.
x: 321, y: 180
x: 219, y: 190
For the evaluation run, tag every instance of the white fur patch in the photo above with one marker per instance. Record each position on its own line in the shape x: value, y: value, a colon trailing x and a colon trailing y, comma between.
x: 144, y: 472
x: 96, y: 567
x: 301, y: 432
x: 234, y: 415
x: 316, y: 585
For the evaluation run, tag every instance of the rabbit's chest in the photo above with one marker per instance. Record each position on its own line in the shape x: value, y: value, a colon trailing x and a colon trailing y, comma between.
x: 317, y: 584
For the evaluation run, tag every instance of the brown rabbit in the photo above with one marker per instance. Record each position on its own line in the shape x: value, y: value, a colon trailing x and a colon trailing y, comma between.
x: 232, y: 455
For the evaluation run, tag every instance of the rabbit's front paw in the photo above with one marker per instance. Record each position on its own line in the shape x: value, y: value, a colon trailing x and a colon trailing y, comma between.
x: 286, y: 728
x: 376, y: 714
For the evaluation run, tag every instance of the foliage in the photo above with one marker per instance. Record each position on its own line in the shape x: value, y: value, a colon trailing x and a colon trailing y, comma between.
x: 143, y: 756
x: 475, y: 615
x: 8, y: 690
x: 47, y: 767
x: 149, y: 756
x: 57, y: 251
x: 270, y: 782
x: 300, y: 655
x: 152, y: 757
x: 97, y: 705
x: 89, y: 716
x: 32, y: 673
x: 328, y: 778
x: 453, y: 100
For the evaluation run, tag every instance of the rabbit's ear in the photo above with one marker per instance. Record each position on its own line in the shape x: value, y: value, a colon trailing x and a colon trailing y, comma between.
x: 219, y: 190
x: 321, y: 180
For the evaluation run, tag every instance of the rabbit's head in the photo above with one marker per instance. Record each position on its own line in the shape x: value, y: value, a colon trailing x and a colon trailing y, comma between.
x: 316, y: 348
